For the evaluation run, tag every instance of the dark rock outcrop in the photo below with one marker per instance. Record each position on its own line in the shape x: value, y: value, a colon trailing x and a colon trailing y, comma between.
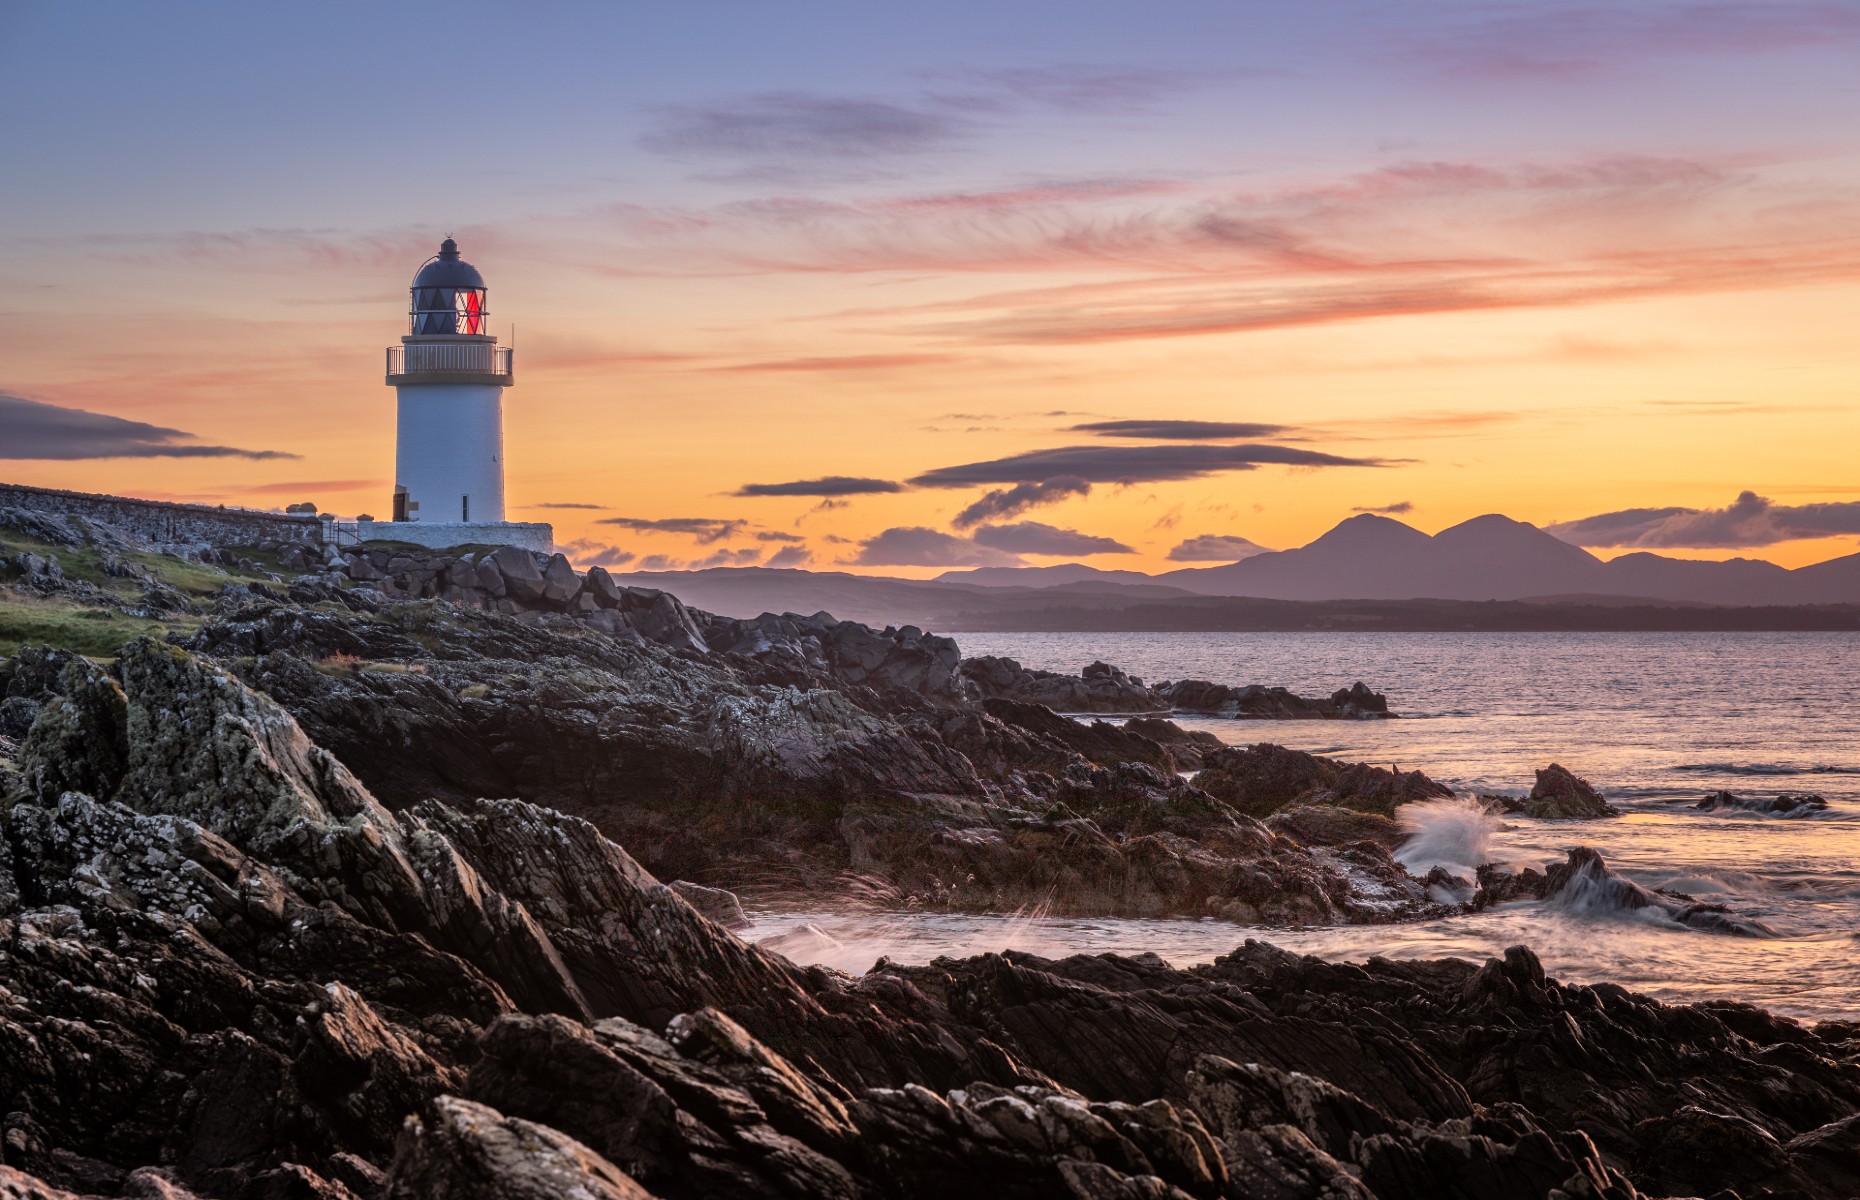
x: 1099, y: 688
x: 1584, y: 884
x: 1558, y: 795
x: 772, y: 775
x: 1784, y: 805
x: 227, y: 970
x: 1263, y: 779
x: 1256, y: 702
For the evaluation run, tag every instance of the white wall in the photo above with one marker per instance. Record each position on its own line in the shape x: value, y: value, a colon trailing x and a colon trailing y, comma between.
x: 443, y: 535
x: 449, y: 443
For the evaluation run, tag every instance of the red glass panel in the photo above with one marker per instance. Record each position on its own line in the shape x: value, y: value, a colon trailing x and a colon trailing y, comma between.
x: 470, y: 304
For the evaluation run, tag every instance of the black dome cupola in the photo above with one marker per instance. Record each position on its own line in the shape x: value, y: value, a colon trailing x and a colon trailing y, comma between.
x: 449, y: 296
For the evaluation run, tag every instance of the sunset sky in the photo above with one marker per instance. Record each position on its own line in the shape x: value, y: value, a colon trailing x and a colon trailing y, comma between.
x: 895, y: 289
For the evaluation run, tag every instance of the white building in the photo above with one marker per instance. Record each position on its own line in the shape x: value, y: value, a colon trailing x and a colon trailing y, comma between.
x: 449, y: 376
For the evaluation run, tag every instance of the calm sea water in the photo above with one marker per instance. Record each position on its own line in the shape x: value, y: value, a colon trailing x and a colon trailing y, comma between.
x: 1655, y: 721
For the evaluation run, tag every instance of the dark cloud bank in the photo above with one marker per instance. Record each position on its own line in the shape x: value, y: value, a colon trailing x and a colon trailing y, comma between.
x: 32, y: 430
x: 1131, y: 464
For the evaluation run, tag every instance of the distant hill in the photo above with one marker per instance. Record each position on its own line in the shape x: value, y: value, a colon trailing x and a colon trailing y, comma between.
x: 1043, y: 576
x: 1367, y: 557
x: 1496, y: 558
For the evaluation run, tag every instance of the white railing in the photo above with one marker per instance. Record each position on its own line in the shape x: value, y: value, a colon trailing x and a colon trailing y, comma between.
x: 480, y: 357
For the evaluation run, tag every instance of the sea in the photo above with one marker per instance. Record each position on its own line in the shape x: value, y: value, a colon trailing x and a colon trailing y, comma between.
x: 1655, y: 721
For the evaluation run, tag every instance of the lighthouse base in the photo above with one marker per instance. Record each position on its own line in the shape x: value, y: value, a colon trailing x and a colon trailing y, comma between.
x: 444, y: 535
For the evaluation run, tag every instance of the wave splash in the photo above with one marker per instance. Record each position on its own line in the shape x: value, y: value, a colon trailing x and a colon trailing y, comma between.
x: 1455, y: 834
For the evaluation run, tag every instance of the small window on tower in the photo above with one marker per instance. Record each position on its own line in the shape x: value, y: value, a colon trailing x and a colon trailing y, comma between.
x: 464, y: 508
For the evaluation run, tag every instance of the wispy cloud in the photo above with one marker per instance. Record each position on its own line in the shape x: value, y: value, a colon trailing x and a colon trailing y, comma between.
x: 790, y: 557
x: 1070, y: 87
x: 843, y: 362
x: 917, y: 546
x: 1216, y: 547
x: 1559, y: 41
x: 1011, y: 502
x: 789, y: 135
x: 1750, y: 520
x: 35, y: 430
x: 707, y: 530
x: 585, y: 552
x: 1126, y: 464
x: 1386, y: 510
x: 1182, y: 431
x: 1033, y: 537
x: 831, y: 485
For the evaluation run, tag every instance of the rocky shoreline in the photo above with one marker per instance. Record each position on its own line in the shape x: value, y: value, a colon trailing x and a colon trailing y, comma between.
x: 263, y: 934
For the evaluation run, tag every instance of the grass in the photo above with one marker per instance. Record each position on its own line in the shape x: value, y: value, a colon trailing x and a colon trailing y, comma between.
x: 94, y: 632
x: 98, y: 631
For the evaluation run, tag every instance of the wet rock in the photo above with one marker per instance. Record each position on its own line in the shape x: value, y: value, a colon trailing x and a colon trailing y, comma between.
x: 1258, y: 702
x: 1559, y: 795
x: 470, y: 1152
x: 1099, y: 688
x: 716, y: 904
x: 1783, y: 805
x: 1584, y: 884
x: 1262, y: 779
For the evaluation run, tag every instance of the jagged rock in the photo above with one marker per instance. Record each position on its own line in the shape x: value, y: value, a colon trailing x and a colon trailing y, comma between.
x: 1272, y: 703
x: 1262, y: 779
x: 470, y: 1152
x: 228, y: 960
x: 716, y: 904
x: 1100, y: 687
x: 1560, y: 796
x: 1584, y: 884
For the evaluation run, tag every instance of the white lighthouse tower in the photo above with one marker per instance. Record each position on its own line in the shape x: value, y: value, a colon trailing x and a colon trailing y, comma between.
x: 449, y: 376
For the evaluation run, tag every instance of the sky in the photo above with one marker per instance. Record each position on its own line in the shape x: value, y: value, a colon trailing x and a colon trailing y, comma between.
x: 896, y: 289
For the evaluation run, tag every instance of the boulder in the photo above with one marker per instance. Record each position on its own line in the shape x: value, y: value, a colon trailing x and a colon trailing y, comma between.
x: 715, y: 903
x: 560, y: 583
x: 602, y: 587
x: 1783, y: 805
x: 523, y: 580
x: 1559, y: 795
x: 467, y: 1151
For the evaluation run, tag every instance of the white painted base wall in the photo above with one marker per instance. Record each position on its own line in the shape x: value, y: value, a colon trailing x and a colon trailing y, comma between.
x: 449, y: 444
x: 443, y: 535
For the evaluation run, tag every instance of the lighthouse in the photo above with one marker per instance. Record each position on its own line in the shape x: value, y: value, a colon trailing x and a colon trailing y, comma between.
x: 449, y: 376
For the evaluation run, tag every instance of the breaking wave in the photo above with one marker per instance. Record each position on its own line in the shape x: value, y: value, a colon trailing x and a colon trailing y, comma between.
x: 1455, y: 834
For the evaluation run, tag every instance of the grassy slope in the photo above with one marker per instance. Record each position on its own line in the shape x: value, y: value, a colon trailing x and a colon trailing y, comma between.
x: 93, y: 629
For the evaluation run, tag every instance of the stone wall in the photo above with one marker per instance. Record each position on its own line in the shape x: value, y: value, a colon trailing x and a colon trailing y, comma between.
x: 168, y: 524
x: 444, y: 535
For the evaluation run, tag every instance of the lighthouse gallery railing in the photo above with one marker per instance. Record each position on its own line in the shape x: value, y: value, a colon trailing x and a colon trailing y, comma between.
x: 417, y: 357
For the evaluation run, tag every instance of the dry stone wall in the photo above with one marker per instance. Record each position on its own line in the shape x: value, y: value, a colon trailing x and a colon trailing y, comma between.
x: 168, y: 524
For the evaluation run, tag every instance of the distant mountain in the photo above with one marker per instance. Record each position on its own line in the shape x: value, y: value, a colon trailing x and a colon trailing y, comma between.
x: 1496, y: 558
x: 1367, y: 558
x: 876, y: 600
x: 1043, y: 576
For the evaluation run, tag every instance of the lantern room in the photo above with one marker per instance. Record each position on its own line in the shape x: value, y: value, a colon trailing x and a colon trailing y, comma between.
x: 449, y: 297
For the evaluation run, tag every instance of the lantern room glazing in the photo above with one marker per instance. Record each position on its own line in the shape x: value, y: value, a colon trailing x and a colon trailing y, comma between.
x: 449, y: 297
